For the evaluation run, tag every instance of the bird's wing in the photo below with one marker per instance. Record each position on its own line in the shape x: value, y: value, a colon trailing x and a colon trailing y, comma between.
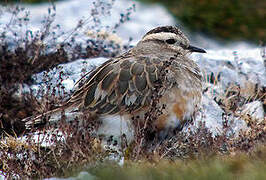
x: 120, y: 84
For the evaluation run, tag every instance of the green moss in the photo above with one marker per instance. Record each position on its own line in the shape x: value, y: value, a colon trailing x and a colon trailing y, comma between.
x: 218, y: 168
x: 229, y: 20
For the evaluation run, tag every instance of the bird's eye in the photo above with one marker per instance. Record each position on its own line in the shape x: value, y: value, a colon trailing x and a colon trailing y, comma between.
x: 171, y: 41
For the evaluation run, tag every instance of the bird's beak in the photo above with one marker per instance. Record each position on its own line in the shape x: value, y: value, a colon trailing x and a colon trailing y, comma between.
x: 196, y: 49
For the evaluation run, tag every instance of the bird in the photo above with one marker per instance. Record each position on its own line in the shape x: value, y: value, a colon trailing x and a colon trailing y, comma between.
x: 155, y: 74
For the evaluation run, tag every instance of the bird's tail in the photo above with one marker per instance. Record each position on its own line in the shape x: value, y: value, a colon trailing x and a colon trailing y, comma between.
x: 49, y: 117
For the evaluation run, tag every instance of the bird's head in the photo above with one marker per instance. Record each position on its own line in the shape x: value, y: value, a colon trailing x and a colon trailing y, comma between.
x: 167, y: 39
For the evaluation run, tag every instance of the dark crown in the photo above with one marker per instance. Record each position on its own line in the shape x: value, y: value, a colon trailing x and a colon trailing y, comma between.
x: 170, y: 29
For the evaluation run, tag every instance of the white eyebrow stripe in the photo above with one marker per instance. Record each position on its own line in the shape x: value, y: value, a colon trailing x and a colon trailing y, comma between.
x: 161, y: 36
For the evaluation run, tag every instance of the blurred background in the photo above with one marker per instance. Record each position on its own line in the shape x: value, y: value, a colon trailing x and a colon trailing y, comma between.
x: 227, y: 20
x: 238, y: 20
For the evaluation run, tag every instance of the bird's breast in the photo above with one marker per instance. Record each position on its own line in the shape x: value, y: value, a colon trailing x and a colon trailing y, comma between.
x: 180, y: 106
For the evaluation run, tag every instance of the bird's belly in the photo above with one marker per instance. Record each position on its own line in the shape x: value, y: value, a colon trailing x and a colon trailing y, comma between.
x: 180, y: 107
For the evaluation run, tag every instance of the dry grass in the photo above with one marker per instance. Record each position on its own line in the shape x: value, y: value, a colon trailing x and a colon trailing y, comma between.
x: 73, y: 147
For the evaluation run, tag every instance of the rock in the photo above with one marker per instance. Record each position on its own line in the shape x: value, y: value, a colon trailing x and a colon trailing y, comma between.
x: 210, y: 114
x: 233, y: 66
x: 253, y: 111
